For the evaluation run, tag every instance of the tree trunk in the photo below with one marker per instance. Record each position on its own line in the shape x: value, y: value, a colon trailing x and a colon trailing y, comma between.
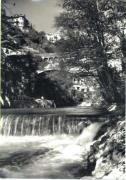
x: 110, y: 91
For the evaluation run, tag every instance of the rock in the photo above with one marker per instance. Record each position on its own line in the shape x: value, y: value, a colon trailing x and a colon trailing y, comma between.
x: 103, y: 167
x: 105, y: 159
x: 89, y: 162
x: 111, y: 153
x: 115, y: 174
x: 112, y: 107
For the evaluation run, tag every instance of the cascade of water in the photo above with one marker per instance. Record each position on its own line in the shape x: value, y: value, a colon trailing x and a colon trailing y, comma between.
x: 20, y: 125
x: 62, y: 152
x: 1, y: 125
x: 89, y: 133
x: 16, y: 124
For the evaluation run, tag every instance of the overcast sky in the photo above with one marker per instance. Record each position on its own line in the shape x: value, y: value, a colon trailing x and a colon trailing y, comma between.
x: 41, y: 13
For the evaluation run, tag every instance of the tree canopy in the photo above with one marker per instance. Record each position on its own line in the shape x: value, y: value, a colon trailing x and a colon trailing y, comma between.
x: 96, y: 28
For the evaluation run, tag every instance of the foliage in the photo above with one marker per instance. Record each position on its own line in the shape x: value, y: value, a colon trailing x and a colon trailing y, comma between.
x: 38, y: 41
x: 53, y: 86
x: 97, y: 28
x: 17, y: 71
x: 18, y: 76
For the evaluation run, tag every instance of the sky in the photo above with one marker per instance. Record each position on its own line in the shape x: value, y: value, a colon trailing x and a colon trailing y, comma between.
x: 41, y: 13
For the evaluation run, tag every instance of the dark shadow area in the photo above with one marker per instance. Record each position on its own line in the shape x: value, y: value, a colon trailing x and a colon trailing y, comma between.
x: 22, y: 158
x: 52, y: 90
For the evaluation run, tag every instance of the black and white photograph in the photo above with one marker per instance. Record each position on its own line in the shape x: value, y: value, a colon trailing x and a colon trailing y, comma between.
x: 62, y: 82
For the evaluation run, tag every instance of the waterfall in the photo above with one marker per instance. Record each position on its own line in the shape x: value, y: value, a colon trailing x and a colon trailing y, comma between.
x: 37, y: 125
x: 89, y: 133
x: 45, y: 146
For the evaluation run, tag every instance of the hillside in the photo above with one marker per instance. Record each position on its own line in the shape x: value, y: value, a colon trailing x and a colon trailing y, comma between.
x: 23, y: 48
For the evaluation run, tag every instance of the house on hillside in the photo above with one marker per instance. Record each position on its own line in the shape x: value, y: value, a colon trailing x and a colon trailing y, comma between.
x: 20, y: 21
x: 53, y: 37
x: 11, y: 52
x: 85, y: 86
x: 87, y: 90
x: 79, y: 84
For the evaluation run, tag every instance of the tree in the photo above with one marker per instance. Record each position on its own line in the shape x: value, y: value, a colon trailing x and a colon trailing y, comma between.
x: 42, y: 37
x: 86, y: 25
x: 17, y: 71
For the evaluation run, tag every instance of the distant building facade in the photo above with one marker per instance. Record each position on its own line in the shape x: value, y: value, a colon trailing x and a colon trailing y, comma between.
x: 81, y: 85
x: 20, y: 21
x: 53, y: 37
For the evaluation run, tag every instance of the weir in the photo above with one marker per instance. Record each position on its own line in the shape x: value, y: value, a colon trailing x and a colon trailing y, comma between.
x: 46, y: 144
x: 37, y: 125
x: 21, y: 122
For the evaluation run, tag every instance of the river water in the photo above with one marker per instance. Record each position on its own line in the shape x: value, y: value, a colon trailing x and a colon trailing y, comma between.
x: 31, y: 149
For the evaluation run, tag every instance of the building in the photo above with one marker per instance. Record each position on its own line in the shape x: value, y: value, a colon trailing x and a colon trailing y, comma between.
x: 10, y: 52
x: 79, y: 85
x: 53, y: 37
x: 84, y: 85
x: 20, y: 21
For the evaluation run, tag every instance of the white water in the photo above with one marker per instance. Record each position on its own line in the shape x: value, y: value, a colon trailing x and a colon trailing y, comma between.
x: 63, y: 159
x: 38, y: 125
x: 88, y: 134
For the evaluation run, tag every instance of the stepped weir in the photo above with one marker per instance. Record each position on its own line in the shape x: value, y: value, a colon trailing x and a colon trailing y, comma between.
x: 39, y: 122
x: 50, y: 143
x: 37, y: 125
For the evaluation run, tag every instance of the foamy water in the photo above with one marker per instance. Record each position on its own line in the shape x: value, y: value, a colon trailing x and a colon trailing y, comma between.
x: 47, y: 156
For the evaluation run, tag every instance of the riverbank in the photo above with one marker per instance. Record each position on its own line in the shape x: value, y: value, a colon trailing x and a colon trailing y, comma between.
x: 107, y: 152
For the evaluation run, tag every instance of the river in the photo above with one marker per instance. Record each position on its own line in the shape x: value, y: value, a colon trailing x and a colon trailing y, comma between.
x: 44, y: 146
